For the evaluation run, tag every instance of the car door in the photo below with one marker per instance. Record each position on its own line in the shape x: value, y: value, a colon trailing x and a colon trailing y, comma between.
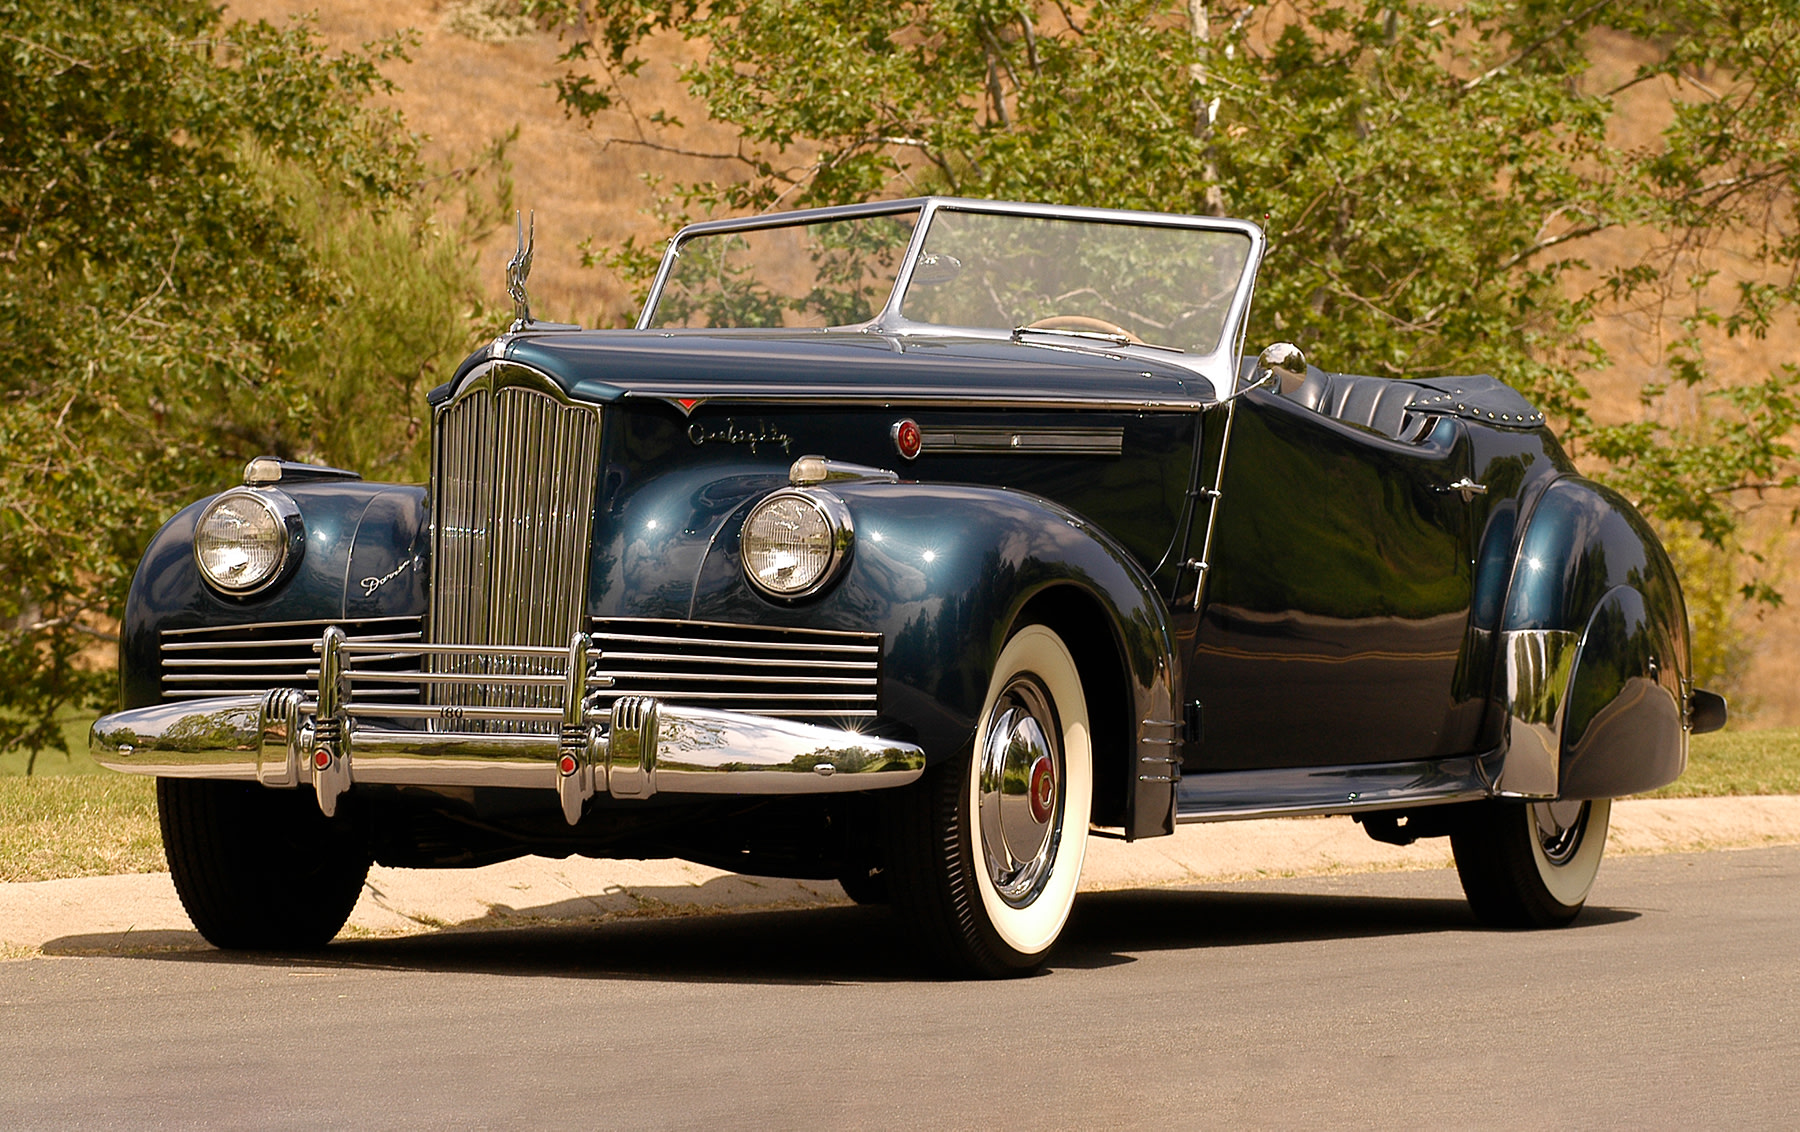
x: 1337, y: 601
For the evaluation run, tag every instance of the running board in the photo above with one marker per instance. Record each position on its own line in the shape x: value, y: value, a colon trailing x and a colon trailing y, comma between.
x: 1234, y: 795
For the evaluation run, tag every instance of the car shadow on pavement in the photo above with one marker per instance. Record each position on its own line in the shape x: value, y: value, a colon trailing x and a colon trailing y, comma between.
x: 1136, y: 920
x: 841, y: 944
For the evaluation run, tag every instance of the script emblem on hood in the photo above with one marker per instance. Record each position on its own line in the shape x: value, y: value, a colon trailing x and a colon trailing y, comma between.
x: 733, y: 433
x: 370, y: 585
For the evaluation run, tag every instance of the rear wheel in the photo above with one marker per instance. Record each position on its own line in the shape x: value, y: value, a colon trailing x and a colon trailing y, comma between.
x: 1530, y: 864
x: 259, y: 869
x: 985, y: 853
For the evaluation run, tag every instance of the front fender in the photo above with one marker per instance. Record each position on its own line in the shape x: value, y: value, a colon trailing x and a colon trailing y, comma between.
x: 366, y: 555
x: 1594, y: 668
x: 945, y: 574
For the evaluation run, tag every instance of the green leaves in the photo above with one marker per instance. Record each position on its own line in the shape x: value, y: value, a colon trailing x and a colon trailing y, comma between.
x: 211, y: 247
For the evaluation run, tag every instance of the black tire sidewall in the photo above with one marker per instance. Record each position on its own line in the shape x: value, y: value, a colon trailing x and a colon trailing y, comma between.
x: 257, y: 868
x: 1509, y: 881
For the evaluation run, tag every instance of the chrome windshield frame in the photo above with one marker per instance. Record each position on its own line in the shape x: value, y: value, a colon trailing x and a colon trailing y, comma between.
x: 1219, y: 367
x: 767, y: 220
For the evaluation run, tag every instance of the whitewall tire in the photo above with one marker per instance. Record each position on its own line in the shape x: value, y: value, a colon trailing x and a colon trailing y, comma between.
x: 1030, y: 790
x: 1530, y: 864
x: 985, y: 854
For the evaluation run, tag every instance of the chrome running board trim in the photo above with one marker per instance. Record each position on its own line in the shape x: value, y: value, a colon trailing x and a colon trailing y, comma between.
x: 1237, y: 795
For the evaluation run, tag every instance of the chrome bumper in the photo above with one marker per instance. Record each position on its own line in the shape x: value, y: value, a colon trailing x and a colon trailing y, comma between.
x: 637, y: 749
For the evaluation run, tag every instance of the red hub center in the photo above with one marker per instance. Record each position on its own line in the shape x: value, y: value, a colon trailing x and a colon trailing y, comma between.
x: 1043, y: 790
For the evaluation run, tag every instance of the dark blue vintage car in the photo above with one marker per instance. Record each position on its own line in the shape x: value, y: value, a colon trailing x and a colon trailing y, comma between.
x: 907, y: 544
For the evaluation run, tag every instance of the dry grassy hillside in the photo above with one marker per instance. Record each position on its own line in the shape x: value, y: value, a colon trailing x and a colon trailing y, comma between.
x: 462, y: 93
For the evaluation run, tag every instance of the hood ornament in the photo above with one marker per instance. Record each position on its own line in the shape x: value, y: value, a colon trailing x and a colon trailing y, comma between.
x: 518, y: 269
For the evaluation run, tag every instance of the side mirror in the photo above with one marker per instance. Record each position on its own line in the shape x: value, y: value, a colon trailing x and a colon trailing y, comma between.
x: 1281, y: 367
x: 935, y: 268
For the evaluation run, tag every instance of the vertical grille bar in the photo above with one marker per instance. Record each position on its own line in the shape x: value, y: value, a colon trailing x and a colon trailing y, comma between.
x: 514, y: 479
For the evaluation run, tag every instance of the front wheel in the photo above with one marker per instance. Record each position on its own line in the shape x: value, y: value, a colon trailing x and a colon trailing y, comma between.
x: 864, y: 884
x: 1530, y: 864
x: 259, y: 869
x: 985, y: 853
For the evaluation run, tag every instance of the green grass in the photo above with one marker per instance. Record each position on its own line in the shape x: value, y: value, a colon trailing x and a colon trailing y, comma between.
x: 72, y: 817
x: 75, y: 733
x: 56, y: 826
x: 1739, y: 762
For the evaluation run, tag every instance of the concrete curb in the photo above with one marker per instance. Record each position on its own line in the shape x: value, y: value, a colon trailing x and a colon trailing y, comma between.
x: 102, y: 914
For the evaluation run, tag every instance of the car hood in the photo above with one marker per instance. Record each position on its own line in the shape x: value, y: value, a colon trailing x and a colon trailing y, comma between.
x: 690, y: 367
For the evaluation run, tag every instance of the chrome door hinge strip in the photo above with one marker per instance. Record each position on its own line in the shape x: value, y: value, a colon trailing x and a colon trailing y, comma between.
x: 1214, y: 495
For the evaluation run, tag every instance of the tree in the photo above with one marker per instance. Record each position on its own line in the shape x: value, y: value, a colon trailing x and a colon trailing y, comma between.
x: 1431, y: 175
x: 192, y: 216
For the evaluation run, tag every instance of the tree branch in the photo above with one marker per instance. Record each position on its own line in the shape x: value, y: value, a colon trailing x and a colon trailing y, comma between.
x: 1069, y: 18
x: 68, y: 59
x: 70, y: 623
x: 1536, y: 45
x: 1550, y: 242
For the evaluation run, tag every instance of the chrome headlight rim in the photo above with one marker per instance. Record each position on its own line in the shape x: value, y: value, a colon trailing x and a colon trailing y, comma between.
x: 838, y: 521
x: 286, y: 513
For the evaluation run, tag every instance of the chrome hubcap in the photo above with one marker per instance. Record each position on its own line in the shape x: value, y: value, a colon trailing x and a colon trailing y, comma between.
x: 1019, y: 792
x: 1559, y: 826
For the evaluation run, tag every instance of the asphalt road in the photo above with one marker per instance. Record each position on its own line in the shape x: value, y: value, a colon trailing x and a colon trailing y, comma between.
x: 1368, y: 1000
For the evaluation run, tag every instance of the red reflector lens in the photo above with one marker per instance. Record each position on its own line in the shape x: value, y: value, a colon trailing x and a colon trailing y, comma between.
x: 567, y: 764
x: 321, y: 758
x: 908, y: 439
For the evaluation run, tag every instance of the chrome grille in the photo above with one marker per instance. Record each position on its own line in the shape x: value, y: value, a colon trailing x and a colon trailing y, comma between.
x: 791, y: 673
x: 513, y: 486
x: 788, y: 673
x: 242, y: 659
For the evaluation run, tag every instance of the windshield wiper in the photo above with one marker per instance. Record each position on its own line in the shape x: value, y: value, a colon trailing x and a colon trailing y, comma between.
x: 1019, y: 332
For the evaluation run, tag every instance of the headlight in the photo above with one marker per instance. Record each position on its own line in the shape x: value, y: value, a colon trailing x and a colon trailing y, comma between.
x: 795, y: 540
x: 248, y: 539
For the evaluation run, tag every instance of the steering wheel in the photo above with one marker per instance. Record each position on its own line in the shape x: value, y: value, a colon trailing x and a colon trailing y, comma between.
x: 1082, y: 322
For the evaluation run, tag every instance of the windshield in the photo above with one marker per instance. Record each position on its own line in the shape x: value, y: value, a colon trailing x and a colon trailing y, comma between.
x: 830, y: 273
x: 1162, y: 286
x: 1023, y: 270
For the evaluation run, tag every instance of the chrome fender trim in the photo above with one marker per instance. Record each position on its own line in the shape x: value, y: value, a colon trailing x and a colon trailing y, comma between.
x: 1537, y: 665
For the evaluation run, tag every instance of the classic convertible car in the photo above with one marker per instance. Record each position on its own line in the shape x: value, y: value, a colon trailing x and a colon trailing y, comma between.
x: 908, y: 544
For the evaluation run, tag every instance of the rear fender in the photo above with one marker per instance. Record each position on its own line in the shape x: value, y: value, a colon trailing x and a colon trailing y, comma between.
x: 946, y: 574
x: 1623, y: 733
x: 1593, y: 669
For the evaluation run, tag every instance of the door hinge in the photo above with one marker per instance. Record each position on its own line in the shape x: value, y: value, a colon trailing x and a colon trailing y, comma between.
x: 1467, y: 488
x: 1199, y: 568
x: 1191, y: 730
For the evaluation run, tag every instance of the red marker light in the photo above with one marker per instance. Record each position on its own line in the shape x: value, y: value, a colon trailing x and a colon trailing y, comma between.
x: 908, y: 439
x: 567, y: 765
x: 321, y: 758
